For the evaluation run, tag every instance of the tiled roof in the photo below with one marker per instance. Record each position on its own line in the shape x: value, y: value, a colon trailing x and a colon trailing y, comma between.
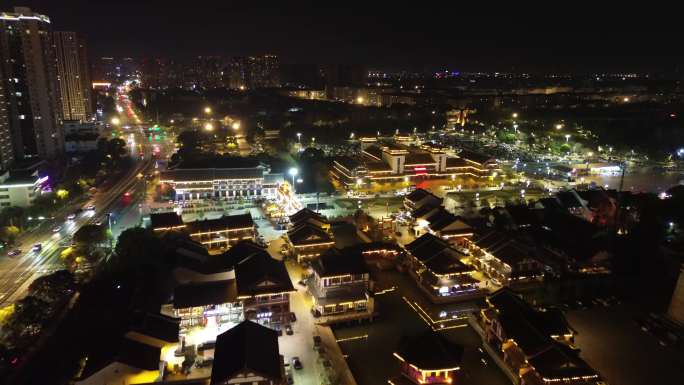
x: 531, y: 329
x: 305, y: 214
x: 307, y: 234
x: 226, y: 222
x: 133, y: 353
x: 260, y: 274
x: 348, y: 162
x: 375, y: 151
x: 456, y: 162
x: 203, y: 294
x: 211, y: 174
x: 560, y: 361
x: 378, y: 166
x: 338, y: 262
x: 156, y: 325
x: 165, y: 220
x: 418, y: 158
x: 247, y: 347
x: 430, y: 351
x: 475, y: 156
x: 437, y: 255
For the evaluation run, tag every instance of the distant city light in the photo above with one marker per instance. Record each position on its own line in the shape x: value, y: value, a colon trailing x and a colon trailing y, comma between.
x: 115, y: 121
x: 209, y: 127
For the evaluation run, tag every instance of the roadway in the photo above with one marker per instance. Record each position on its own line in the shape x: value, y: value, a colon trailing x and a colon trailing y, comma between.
x: 120, y: 202
x: 16, y: 273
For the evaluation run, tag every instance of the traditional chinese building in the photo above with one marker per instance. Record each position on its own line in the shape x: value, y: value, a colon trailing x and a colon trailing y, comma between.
x: 440, y: 269
x: 247, y: 354
x: 438, y: 221
x: 306, y: 215
x: 536, y: 346
x: 506, y: 259
x: 244, y: 282
x: 220, y: 232
x: 340, y: 284
x: 394, y: 160
x: 136, y: 357
x: 419, y: 198
x: 428, y: 358
x: 308, y: 241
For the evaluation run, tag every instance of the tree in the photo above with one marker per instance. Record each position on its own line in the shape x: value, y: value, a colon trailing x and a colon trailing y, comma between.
x: 9, y: 234
x: 90, y: 238
x: 137, y: 247
x: 54, y: 288
x: 189, y: 140
x: 565, y: 148
x: 25, y: 323
x: 13, y: 216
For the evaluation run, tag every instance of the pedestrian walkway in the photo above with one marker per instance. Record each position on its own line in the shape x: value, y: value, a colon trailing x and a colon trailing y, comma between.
x: 334, y: 353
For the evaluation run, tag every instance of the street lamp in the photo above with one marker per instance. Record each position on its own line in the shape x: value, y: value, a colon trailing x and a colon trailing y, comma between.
x: 567, y: 138
x: 293, y: 173
x: 559, y: 126
x: 236, y: 125
x: 115, y: 121
x: 209, y: 127
x: 359, y: 100
x: 299, y: 138
x: 515, y: 115
x: 207, y: 110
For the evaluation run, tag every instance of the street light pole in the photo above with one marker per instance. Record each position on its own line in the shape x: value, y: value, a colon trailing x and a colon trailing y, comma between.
x: 293, y: 172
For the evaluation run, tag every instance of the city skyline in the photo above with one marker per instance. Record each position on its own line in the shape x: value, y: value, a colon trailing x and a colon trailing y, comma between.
x: 462, y: 37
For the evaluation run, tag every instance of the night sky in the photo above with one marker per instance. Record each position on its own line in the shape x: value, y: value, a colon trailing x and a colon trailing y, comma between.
x: 550, y: 37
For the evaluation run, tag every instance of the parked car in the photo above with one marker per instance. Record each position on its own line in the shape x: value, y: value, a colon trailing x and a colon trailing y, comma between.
x: 296, y: 363
x: 14, y: 252
x: 288, y: 330
x: 37, y: 247
x: 71, y: 216
x: 57, y: 229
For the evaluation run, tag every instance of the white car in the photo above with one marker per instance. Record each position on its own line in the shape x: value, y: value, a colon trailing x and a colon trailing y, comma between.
x: 71, y: 217
x: 57, y: 229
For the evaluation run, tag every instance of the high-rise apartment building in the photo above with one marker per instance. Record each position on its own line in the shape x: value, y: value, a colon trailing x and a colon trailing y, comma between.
x: 344, y: 75
x: 6, y: 149
x: 28, y: 76
x: 235, y: 74
x: 264, y: 71
x: 73, y: 76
